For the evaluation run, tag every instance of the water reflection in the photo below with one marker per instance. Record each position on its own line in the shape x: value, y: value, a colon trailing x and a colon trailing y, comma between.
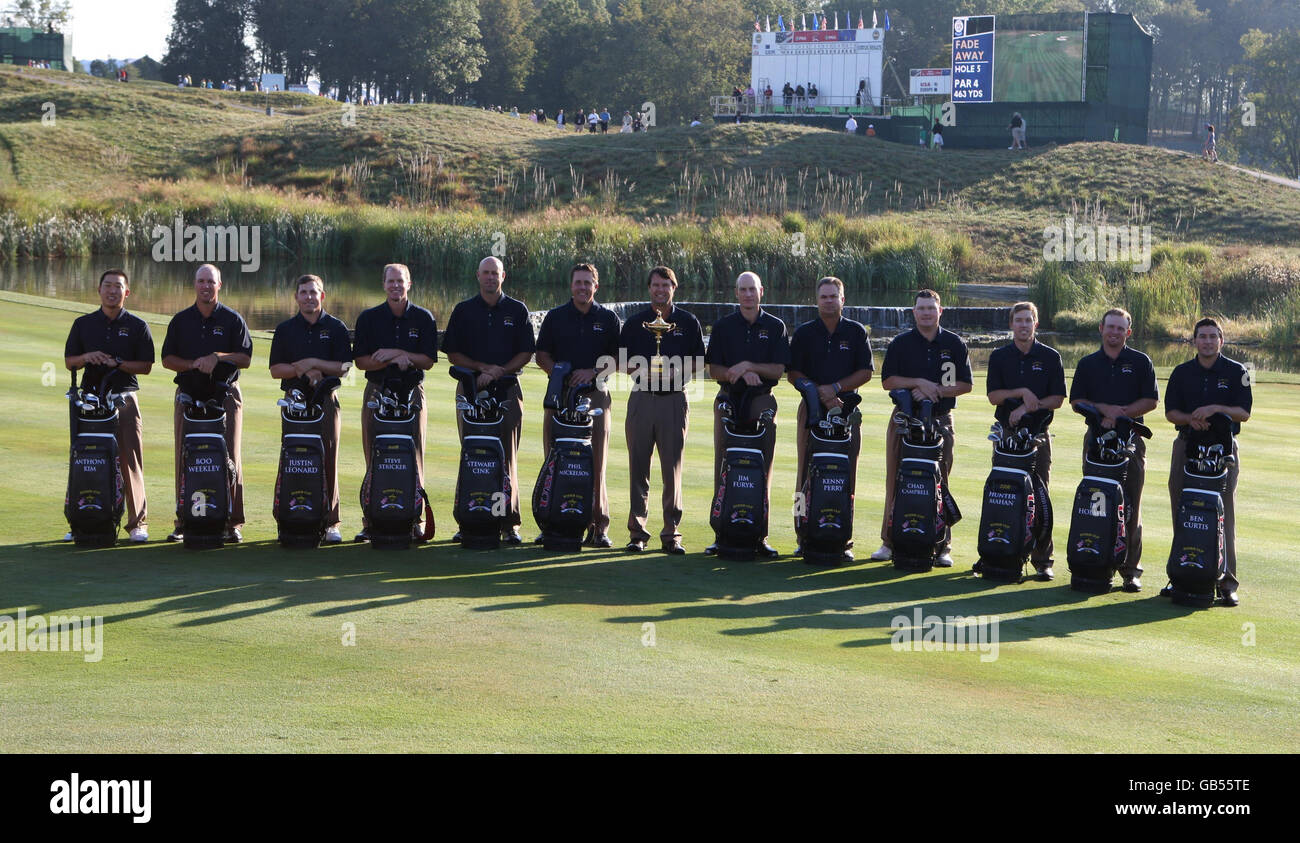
x: 266, y: 298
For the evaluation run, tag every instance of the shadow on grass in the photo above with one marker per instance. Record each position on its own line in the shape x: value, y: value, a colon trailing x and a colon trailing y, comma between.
x: 258, y: 578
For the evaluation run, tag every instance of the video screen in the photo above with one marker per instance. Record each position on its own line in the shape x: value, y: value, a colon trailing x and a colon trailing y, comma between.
x: 1037, y: 66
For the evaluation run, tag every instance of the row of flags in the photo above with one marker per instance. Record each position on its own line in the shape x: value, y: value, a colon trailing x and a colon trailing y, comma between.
x: 825, y: 23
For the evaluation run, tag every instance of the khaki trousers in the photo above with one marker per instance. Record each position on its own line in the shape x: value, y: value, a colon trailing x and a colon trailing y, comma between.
x: 600, y: 399
x: 656, y: 421
x: 368, y: 439
x: 1229, y: 582
x: 234, y: 407
x: 130, y: 456
x: 893, y: 451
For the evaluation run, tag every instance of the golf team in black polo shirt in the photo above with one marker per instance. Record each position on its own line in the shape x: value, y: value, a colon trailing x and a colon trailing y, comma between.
x: 1029, y: 372
x: 492, y: 334
x: 305, y: 349
x: 198, y: 338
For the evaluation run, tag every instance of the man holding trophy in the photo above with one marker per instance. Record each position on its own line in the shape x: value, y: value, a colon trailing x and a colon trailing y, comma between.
x: 661, y: 347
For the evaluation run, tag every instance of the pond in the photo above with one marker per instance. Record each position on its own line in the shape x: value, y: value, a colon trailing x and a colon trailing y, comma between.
x: 265, y: 298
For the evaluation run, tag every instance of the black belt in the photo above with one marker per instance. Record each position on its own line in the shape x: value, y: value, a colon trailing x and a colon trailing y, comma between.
x: 664, y: 391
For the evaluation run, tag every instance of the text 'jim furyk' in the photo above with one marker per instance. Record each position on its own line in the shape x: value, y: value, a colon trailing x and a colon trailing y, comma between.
x: 108, y: 796
x: 208, y: 244
x: 55, y: 634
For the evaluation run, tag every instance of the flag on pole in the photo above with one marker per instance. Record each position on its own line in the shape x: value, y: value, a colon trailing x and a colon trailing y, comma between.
x: 769, y: 23
x: 874, y: 25
x: 757, y: 28
x: 861, y: 25
x: 837, y: 20
x: 780, y: 24
x: 814, y: 26
x: 824, y: 22
x: 886, y: 19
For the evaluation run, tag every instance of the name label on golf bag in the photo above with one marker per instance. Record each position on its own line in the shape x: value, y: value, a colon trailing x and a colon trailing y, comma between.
x: 1098, y: 535
x: 93, y: 504
x: 917, y: 520
x: 482, y: 486
x: 1009, y: 516
x: 827, y: 519
x: 739, y: 513
x: 300, y: 484
x: 206, y: 487
x: 562, y: 498
x: 392, y: 500
x: 1198, y: 558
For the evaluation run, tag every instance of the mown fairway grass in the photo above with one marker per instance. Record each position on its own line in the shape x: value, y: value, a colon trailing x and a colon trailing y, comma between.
x: 240, y: 649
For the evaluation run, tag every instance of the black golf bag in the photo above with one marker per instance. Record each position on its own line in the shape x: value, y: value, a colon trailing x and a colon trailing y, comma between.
x: 391, y: 495
x: 1098, y: 544
x: 1017, y: 513
x: 301, y: 502
x: 482, y: 506
x: 824, y: 518
x: 1199, y: 556
x: 565, y: 490
x: 207, y: 469
x: 923, y: 509
x: 93, y: 503
x: 739, y: 513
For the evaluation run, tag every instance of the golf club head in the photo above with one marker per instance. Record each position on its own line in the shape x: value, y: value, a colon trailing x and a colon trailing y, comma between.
x: 596, y: 412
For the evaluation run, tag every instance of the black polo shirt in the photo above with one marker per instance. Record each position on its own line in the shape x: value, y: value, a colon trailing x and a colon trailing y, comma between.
x: 127, y: 337
x: 190, y: 336
x: 1192, y: 386
x: 830, y: 357
x: 296, y: 339
x: 735, y: 340
x: 415, y: 330
x: 684, y: 342
x: 489, y: 334
x: 1121, y: 381
x: 571, y: 336
x: 911, y: 355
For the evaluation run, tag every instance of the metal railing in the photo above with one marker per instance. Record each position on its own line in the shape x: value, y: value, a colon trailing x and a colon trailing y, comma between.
x: 730, y: 106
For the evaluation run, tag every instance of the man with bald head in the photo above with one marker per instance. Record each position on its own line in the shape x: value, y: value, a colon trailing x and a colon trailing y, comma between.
x: 394, y: 339
x: 747, y: 346
x: 198, y: 338
x: 492, y: 334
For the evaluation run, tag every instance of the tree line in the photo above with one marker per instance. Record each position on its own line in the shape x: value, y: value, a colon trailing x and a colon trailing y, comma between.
x: 1210, y: 55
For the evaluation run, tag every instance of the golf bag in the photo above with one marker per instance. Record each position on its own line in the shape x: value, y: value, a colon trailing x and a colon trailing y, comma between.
x: 923, y: 509
x: 1098, y: 544
x: 1199, y: 556
x: 482, y: 506
x: 1017, y: 513
x: 301, y: 501
x: 824, y: 518
x: 207, y: 469
x: 739, y: 513
x: 565, y: 490
x: 93, y: 503
x: 391, y: 495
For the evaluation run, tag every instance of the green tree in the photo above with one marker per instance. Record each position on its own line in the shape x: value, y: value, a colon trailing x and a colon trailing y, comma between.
x: 507, y: 29
x: 1271, y: 66
x: 39, y: 14
x: 207, y: 40
x: 144, y: 68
